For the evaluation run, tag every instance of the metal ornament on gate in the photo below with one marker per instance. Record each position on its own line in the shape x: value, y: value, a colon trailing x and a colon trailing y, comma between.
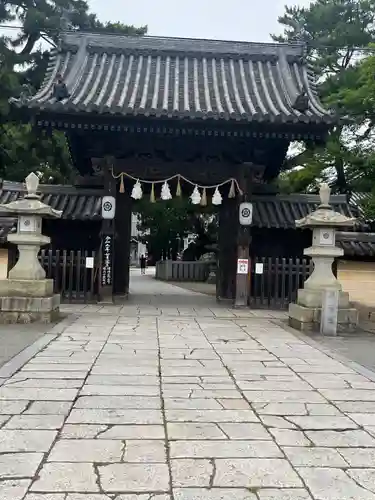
x: 246, y: 214
x: 108, y: 207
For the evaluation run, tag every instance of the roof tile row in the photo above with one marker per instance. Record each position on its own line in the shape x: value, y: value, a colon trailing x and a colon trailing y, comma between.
x: 181, y: 79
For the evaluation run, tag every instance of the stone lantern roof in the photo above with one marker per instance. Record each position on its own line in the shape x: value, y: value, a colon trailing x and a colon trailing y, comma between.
x: 324, y: 215
x: 30, y: 204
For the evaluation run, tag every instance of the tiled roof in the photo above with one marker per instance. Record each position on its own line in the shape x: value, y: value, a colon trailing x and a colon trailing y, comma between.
x: 360, y: 199
x: 75, y: 203
x: 7, y: 225
x: 283, y: 210
x: 180, y: 78
x: 356, y: 244
x: 277, y: 211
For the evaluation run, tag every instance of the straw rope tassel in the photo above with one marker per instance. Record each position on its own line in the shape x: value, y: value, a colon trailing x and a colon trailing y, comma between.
x: 232, y: 191
x: 204, y: 198
x: 152, y: 195
x: 178, y: 190
x: 122, y: 186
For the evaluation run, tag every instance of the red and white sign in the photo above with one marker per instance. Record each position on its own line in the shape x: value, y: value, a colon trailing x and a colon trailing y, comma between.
x: 242, y: 266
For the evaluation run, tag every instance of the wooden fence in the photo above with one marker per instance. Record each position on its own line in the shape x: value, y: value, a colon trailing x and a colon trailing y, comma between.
x: 72, y: 279
x: 279, y: 282
x: 170, y: 270
x: 274, y: 288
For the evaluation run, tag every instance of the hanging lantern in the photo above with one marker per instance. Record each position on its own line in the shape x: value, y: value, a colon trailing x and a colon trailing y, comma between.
x: 204, y: 198
x: 137, y: 191
x: 195, y: 196
x: 217, y: 198
x: 166, y: 192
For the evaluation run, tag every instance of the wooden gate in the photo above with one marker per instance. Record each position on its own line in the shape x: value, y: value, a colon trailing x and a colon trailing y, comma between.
x: 277, y: 286
x: 73, y: 279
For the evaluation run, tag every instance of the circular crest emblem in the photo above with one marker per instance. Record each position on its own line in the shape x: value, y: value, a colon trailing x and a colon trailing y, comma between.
x: 245, y: 212
x: 107, y: 206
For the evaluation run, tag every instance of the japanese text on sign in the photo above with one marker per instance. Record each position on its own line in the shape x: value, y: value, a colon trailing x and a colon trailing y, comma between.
x: 107, y: 261
x: 328, y: 322
x: 242, y: 266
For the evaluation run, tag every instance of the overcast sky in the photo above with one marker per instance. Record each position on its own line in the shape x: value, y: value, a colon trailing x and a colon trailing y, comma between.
x: 251, y: 20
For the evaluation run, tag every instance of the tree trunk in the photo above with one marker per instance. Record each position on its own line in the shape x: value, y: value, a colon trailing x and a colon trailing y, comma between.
x: 342, y: 184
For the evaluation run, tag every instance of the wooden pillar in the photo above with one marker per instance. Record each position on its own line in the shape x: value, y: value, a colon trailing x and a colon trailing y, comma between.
x: 107, y: 239
x: 122, y: 243
x: 234, y: 242
x: 226, y: 271
x: 248, y: 173
x: 243, y: 241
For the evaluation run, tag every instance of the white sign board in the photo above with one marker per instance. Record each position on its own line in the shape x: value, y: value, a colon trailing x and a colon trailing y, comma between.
x: 242, y: 266
x: 330, y: 305
x: 108, y: 207
x: 258, y: 268
x: 246, y: 214
x: 89, y: 262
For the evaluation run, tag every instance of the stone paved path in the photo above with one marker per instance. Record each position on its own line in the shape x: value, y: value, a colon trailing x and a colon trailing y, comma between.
x: 184, y: 403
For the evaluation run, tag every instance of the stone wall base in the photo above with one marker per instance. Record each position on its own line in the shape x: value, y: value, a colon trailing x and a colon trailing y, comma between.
x: 26, y: 288
x: 7, y: 318
x: 29, y: 309
x: 307, y: 319
x: 313, y: 298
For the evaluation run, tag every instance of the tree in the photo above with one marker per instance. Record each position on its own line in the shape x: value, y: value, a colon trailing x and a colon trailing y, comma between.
x: 164, y: 225
x: 23, y: 149
x: 206, y: 237
x: 332, y: 31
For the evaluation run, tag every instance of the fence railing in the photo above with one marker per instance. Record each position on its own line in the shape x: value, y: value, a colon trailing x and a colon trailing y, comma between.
x: 170, y: 270
x: 275, y: 287
x: 279, y: 282
x: 72, y: 278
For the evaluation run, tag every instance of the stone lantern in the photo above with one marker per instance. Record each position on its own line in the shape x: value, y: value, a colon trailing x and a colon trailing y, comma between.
x: 27, y: 295
x: 305, y: 314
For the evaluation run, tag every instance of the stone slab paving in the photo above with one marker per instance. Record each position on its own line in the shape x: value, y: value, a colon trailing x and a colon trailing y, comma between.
x: 211, y: 405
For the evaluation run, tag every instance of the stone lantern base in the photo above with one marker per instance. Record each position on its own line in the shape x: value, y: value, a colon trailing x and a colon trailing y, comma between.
x: 305, y: 315
x: 27, y: 301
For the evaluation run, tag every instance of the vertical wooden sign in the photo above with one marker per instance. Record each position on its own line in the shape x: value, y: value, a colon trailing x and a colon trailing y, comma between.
x: 107, y: 260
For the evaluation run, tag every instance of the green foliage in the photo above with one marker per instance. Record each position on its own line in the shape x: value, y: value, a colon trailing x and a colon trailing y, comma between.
x: 165, y: 223
x: 23, y: 150
x: 206, y: 237
x: 333, y: 31
x: 22, y: 68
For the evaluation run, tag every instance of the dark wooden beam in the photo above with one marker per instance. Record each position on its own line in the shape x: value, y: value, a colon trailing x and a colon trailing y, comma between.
x: 227, y: 254
x: 122, y: 243
x: 107, y: 238
x: 248, y: 173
